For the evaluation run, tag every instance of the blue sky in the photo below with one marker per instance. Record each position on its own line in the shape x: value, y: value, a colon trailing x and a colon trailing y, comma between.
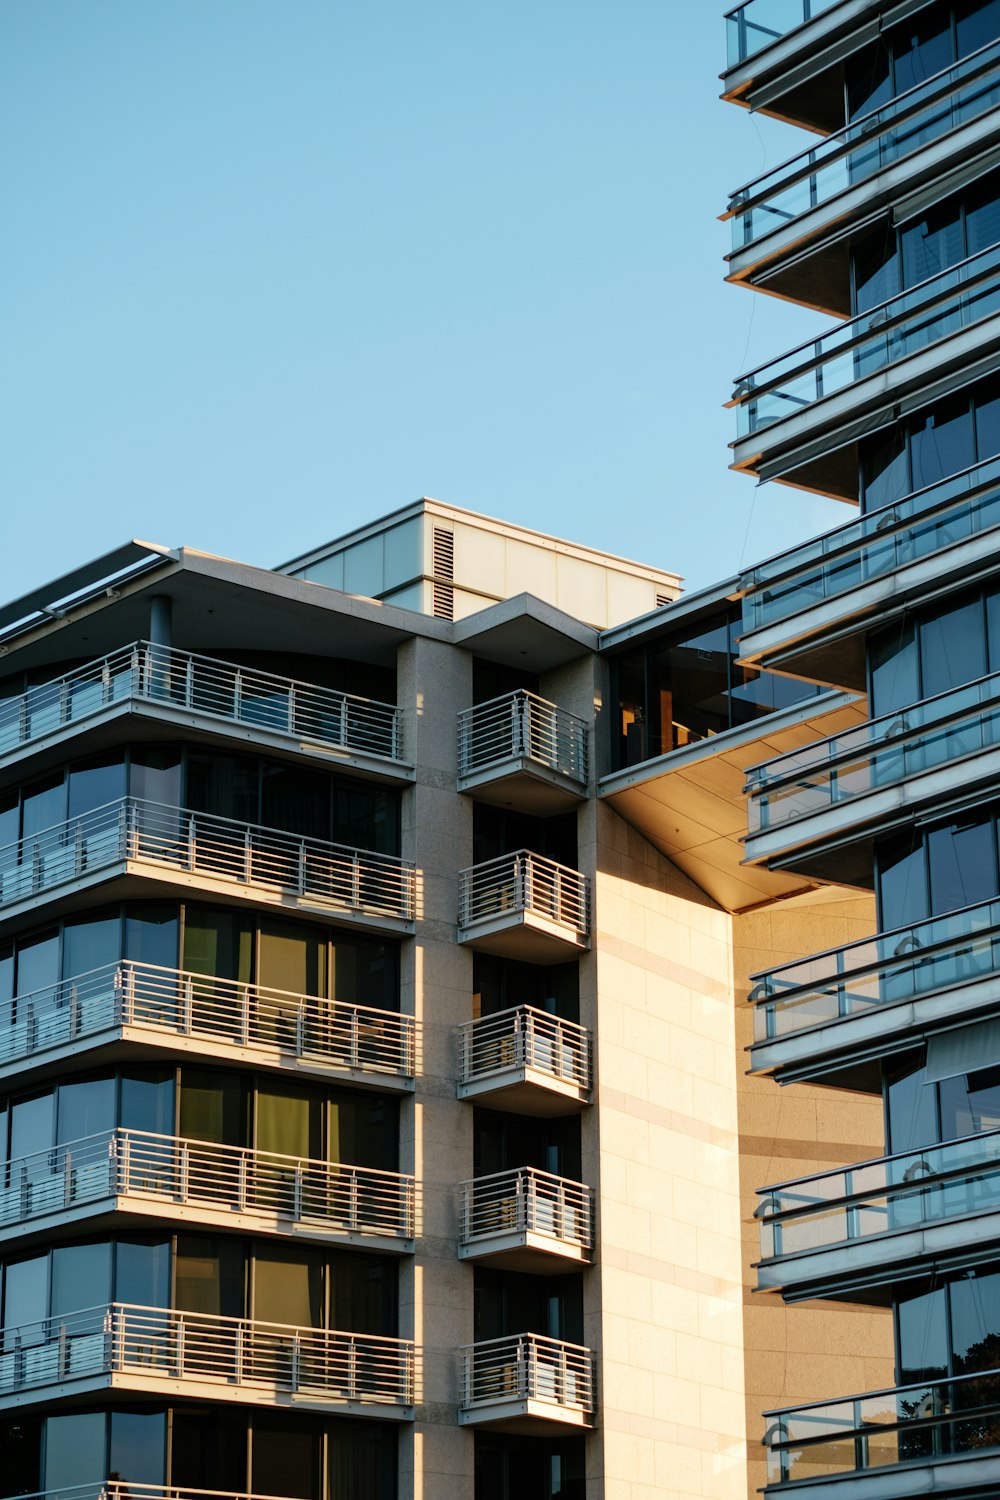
x: 272, y: 268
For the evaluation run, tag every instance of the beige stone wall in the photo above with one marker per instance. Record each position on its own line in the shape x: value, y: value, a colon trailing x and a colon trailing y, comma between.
x: 665, y: 1299
x: 813, y: 1349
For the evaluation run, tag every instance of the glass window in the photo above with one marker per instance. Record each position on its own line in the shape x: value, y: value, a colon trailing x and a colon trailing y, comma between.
x: 138, y: 1446
x: 364, y: 1130
x: 876, y: 270
x: 285, y: 1453
x: 142, y: 1273
x: 85, y: 1108
x: 975, y: 1322
x: 26, y: 1297
x: 226, y: 785
x: 982, y: 216
x: 970, y: 1104
x: 901, y: 882
x: 10, y: 819
x: 942, y: 444
x: 90, y: 944
x: 911, y: 1108
x: 363, y: 1293
x: 208, y: 1450
x: 151, y: 935
x: 952, y: 648
x: 289, y: 1121
x: 933, y: 243
x: 219, y: 943
x: 978, y: 24
x: 32, y: 1126
x: 365, y: 817
x: 95, y: 784
x: 74, y: 1449
x: 987, y: 422
x: 6, y: 971
x: 147, y: 1101
x: 869, y: 82
x: 292, y: 958
x: 363, y: 1459
x: 44, y: 805
x: 921, y: 46
x: 21, y: 1455
x: 962, y: 863
x: 364, y: 972
x: 213, y: 1107
x: 894, y: 667
x: 38, y: 964
x: 295, y: 800
x: 210, y: 1275
x: 923, y: 1336
x: 81, y: 1278
x: 885, y: 469
x: 288, y: 1287
x: 155, y: 775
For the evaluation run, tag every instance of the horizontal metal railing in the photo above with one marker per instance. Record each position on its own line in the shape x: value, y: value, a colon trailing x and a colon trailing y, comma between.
x: 859, y: 1434
x: 879, y: 753
x: 524, y: 882
x: 969, y: 90
x: 127, y: 1489
x: 874, y: 546
x: 937, y: 308
x: 203, y: 684
x: 192, y: 1173
x: 528, y: 1367
x: 905, y: 1191
x: 317, y: 1363
x: 888, y: 969
x: 526, y: 1201
x: 522, y: 724
x: 758, y: 23
x: 353, y: 879
x: 178, y: 1002
x: 525, y: 1038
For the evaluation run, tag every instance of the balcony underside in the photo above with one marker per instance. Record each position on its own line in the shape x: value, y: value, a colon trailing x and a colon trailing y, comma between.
x: 135, y: 1384
x: 690, y: 805
x: 963, y: 1474
x: 128, y: 1212
x: 527, y: 936
x: 140, y: 721
x: 523, y: 1090
x: 523, y: 784
x: 525, y: 1250
x: 137, y: 879
x: 527, y: 1416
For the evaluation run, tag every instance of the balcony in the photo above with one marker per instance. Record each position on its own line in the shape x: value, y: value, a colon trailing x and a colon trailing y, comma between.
x: 525, y: 907
x: 835, y: 1014
x: 833, y: 382
x: 170, y: 847
x: 846, y: 785
x: 183, y: 691
x: 526, y: 1220
x: 526, y: 1062
x: 800, y: 606
x: 945, y: 121
x: 166, y: 1353
x: 154, y: 1177
x: 162, y: 1012
x: 880, y: 1220
x: 760, y: 23
x: 527, y: 1383
x: 941, y: 1436
x: 522, y: 751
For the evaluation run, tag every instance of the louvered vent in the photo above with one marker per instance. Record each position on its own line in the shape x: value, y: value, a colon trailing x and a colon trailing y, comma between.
x: 662, y: 599
x: 444, y: 574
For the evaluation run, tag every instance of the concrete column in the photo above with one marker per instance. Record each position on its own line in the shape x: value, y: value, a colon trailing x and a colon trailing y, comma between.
x: 434, y: 684
x: 160, y: 620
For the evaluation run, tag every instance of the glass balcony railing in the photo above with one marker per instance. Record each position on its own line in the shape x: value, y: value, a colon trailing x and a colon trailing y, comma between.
x: 316, y: 1364
x: 967, y: 91
x: 873, y: 547
x: 757, y: 24
x: 528, y: 1367
x: 146, y: 673
x: 172, y: 837
x: 331, y: 1197
x: 880, y: 753
x: 936, y: 309
x: 877, y: 973
x: 894, y: 1193
x: 168, y: 1004
x: 522, y: 726
x: 524, y: 882
x: 936, y: 1419
x: 526, y: 1201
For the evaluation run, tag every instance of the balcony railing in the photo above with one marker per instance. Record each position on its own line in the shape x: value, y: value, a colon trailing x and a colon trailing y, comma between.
x: 174, y: 1003
x: 238, y: 695
x: 935, y: 309
x: 906, y: 1191
x: 875, y: 755
x: 127, y: 1489
x: 757, y: 24
x: 879, y: 972
x: 522, y: 726
x: 354, y: 880
x: 301, y: 1193
x: 873, y: 547
x: 313, y: 1363
x: 967, y: 91
x: 526, y: 1201
x: 525, y: 1038
x: 937, y: 1419
x: 528, y: 1367
x: 524, y: 882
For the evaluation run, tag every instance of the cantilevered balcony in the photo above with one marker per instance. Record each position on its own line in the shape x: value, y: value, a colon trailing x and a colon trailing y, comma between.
x: 811, y: 605
x: 526, y: 907
x: 169, y: 847
x: 166, y: 1353
x: 522, y: 751
x: 785, y: 57
x: 526, y: 1220
x: 844, y: 786
x: 154, y: 1177
x: 948, y: 120
x: 835, y: 1014
x: 760, y: 23
x: 831, y: 384
x: 525, y: 1061
x: 938, y: 1437
x: 880, y: 1220
x: 182, y: 691
x: 148, y: 1011
x: 527, y: 1383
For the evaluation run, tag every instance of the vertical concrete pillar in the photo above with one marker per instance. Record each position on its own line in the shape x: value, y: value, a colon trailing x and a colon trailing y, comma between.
x: 160, y: 620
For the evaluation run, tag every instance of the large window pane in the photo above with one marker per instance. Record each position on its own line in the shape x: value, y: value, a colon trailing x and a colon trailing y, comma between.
x: 978, y: 24
x: 295, y: 800
x: 921, y: 46
x: 363, y: 1460
x: 952, y: 648
x: 210, y: 1275
x: 139, y: 1446
x: 74, y: 1449
x: 970, y: 1104
x: 923, y: 1337
x: 95, y: 784
x: 32, y: 1127
x: 962, y: 865
x: 208, y: 1450
x: 218, y: 943
x: 212, y: 1107
x: 292, y: 958
x: 43, y: 805
x: 26, y: 1297
x: 142, y: 1273
x: 289, y: 1121
x: 942, y: 444
x: 364, y: 1130
x: 933, y: 243
x: 90, y: 944
x: 288, y: 1287
x: 151, y: 935
x: 225, y: 785
x: 362, y: 1294
x: 975, y: 1322
x: 365, y: 817
x: 147, y: 1101
x: 365, y: 972
x: 155, y: 775
x: 85, y: 1108
x: 901, y: 882
x: 38, y: 964
x: 81, y: 1277
x: 285, y: 1454
x: 20, y: 1454
x: 894, y: 670
x: 911, y: 1110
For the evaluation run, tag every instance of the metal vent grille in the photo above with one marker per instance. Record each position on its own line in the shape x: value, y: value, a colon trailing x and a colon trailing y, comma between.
x: 662, y: 599
x: 444, y: 574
